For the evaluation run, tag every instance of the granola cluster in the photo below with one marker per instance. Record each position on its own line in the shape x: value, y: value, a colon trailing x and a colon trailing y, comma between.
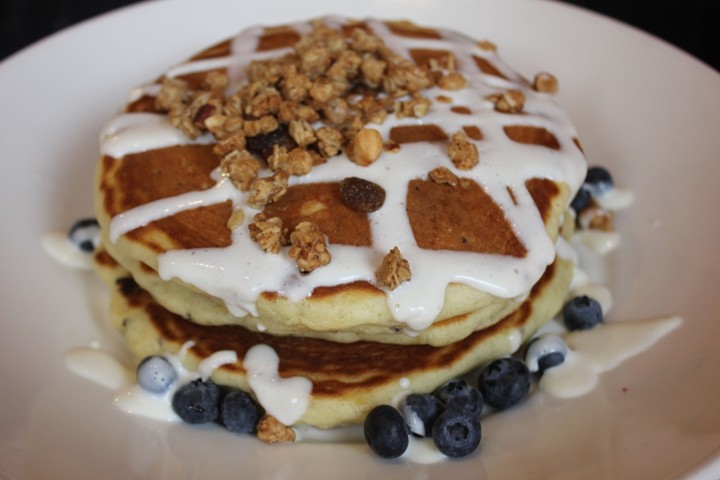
x: 271, y: 430
x: 296, y: 111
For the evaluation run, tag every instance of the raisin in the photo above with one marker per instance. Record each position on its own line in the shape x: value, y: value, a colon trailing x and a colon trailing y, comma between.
x: 362, y: 195
x: 262, y: 145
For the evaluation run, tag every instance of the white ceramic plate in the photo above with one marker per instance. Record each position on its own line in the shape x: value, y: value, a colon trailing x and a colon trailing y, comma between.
x: 644, y: 109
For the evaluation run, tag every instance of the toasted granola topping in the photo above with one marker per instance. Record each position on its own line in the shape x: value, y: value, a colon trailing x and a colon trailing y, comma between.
x: 545, y: 82
x: 270, y: 430
x: 510, y: 101
x: 268, y: 232
x: 393, y: 270
x: 452, y: 81
x: 366, y: 147
x: 443, y: 176
x: 267, y: 190
x: 362, y: 195
x: 172, y: 92
x: 463, y: 152
x: 308, y: 247
x: 241, y: 167
x: 264, y: 125
x: 234, y: 142
x: 596, y: 218
x: 302, y: 132
x: 487, y: 45
x: 330, y: 141
x: 236, y: 219
x: 418, y: 106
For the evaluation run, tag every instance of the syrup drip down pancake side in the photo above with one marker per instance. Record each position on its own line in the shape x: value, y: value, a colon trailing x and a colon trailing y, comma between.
x: 223, y: 186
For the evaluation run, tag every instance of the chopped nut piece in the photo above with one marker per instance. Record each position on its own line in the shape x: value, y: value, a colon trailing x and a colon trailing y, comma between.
x: 452, y: 81
x: 463, y: 152
x: 241, y: 167
x: 267, y: 190
x: 393, y: 270
x: 270, y: 430
x: 308, y: 247
x: 236, y: 219
x: 510, y: 101
x: 545, y: 82
x: 268, y: 232
x: 302, y: 132
x: 443, y: 99
x: 330, y: 141
x: 366, y: 147
x: 443, y: 176
x: 361, y: 195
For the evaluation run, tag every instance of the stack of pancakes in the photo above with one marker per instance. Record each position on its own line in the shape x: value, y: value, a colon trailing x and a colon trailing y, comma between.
x: 478, y: 239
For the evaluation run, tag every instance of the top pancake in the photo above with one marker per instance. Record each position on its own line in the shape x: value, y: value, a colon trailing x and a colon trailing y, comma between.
x: 475, y: 241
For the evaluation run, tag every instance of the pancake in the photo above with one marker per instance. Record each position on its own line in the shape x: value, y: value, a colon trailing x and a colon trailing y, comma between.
x: 212, y: 169
x: 347, y: 379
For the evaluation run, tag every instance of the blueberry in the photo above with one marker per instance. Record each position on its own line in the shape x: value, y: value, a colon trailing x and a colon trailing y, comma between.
x: 420, y: 412
x: 458, y: 394
x: 385, y: 431
x: 582, y: 313
x: 197, y: 401
x: 456, y: 433
x: 85, y: 234
x: 504, y: 382
x: 239, y: 413
x: 582, y: 200
x: 155, y: 374
x: 546, y: 351
x: 599, y: 180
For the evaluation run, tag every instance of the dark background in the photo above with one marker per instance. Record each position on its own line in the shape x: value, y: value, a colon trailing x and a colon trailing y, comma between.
x: 692, y: 25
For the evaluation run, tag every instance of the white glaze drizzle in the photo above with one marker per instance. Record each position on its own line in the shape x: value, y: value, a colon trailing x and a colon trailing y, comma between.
x: 599, y: 350
x: 102, y: 368
x: 58, y: 246
x: 239, y: 273
x: 286, y: 399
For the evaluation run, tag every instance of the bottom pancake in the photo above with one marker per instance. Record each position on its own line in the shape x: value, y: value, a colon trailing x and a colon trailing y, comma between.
x: 348, y: 379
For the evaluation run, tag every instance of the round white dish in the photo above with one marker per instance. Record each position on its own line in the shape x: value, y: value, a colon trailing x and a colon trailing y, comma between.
x: 643, y: 108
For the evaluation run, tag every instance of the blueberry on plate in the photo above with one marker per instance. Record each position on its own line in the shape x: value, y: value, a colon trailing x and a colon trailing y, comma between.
x: 546, y: 351
x: 239, y: 412
x: 197, y: 401
x: 582, y: 313
x: 420, y: 412
x: 582, y: 200
x: 155, y: 374
x: 504, y: 382
x: 456, y: 433
x: 458, y: 394
x: 385, y: 431
x: 85, y: 234
x: 599, y: 180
